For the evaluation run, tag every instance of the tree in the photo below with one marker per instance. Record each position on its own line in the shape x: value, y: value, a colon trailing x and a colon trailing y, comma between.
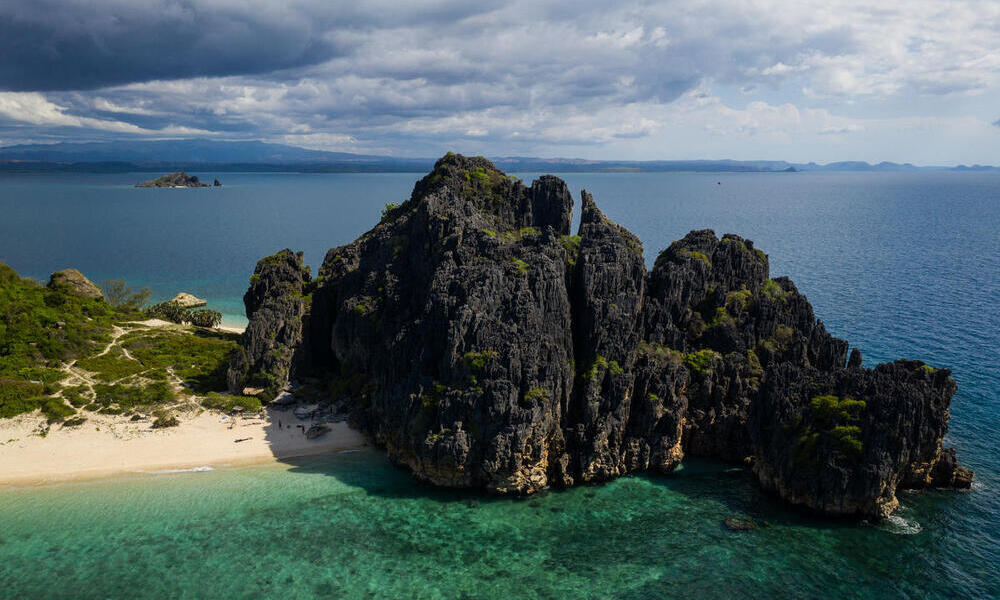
x: 169, y: 311
x: 204, y: 317
x: 120, y: 295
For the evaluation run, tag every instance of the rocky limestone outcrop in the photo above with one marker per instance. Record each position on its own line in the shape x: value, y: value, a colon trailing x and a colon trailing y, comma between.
x: 484, y: 346
x: 187, y: 300
x: 277, y: 308
x: 73, y: 282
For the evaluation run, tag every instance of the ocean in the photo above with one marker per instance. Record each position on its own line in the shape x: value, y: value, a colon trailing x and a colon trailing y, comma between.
x: 899, y: 264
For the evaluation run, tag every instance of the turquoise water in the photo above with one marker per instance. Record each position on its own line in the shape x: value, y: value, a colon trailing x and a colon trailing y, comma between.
x: 899, y: 264
x: 350, y: 526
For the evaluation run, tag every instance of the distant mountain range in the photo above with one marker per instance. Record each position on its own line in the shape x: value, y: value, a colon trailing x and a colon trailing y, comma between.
x: 172, y: 155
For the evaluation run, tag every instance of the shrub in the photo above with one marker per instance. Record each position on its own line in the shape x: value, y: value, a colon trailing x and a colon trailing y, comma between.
x: 226, y: 402
x: 829, y: 409
x: 520, y: 265
x: 774, y: 291
x: 846, y: 440
x: 702, y: 361
x: 739, y: 298
x: 163, y: 418
x: 111, y: 366
x: 169, y: 311
x: 477, y: 360
x: 18, y: 397
x: 693, y: 254
x: 389, y: 207
x: 601, y: 363
x: 55, y: 409
x: 572, y: 245
x: 120, y: 295
x: 721, y: 317
x: 129, y: 396
x: 74, y: 395
x: 205, y: 318
x: 40, y: 327
x: 536, y: 393
x: 660, y: 353
x: 200, y: 359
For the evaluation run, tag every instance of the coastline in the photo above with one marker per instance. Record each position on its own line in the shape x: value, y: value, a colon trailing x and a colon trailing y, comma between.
x: 108, y: 446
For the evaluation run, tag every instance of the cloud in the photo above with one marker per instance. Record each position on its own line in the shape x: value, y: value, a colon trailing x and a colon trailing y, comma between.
x: 34, y: 109
x: 519, y: 76
x: 77, y: 44
x: 996, y: 123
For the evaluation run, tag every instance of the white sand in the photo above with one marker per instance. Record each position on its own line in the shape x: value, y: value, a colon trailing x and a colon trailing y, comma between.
x: 162, y: 323
x: 106, y: 445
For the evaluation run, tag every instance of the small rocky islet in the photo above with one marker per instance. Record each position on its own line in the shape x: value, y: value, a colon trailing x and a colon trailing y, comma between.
x: 485, y: 346
x: 179, y: 179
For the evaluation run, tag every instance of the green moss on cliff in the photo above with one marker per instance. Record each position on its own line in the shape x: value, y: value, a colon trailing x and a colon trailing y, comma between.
x: 660, y: 353
x: 571, y: 243
x: 603, y: 365
x: 830, y: 409
x: 520, y: 265
x: 702, y: 361
x: 477, y: 360
x: 694, y: 254
x: 739, y: 299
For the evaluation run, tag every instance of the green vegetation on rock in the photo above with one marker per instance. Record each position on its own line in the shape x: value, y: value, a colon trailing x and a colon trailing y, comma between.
x: 828, y: 409
x: 693, y: 254
x: 477, y: 360
x: 602, y: 364
x: 774, y: 291
x: 660, y: 353
x: 536, y: 394
x: 740, y: 298
x: 572, y: 245
x: 520, y: 265
x: 701, y: 361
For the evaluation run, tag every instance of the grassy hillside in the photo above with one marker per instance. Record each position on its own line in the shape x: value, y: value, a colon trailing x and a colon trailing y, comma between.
x: 66, y: 355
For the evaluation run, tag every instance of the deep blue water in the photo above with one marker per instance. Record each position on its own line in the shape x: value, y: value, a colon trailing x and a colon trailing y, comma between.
x: 901, y: 265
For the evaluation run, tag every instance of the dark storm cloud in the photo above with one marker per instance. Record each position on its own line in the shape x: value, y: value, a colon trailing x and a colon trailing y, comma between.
x: 49, y: 45
x: 386, y: 74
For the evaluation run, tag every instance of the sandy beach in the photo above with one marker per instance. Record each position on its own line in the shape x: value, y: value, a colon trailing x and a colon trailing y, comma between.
x: 105, y: 445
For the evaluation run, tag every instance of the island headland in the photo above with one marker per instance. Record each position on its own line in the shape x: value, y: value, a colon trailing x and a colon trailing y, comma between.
x: 484, y: 346
x: 179, y: 179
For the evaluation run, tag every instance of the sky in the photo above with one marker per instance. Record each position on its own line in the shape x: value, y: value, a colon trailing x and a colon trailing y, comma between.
x: 915, y: 81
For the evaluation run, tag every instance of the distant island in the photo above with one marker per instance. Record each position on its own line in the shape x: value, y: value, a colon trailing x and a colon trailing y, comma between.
x: 179, y: 179
x: 255, y: 156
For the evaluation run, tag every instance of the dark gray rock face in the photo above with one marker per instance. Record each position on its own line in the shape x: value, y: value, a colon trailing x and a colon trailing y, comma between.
x: 276, y: 305
x: 484, y: 346
x: 179, y: 179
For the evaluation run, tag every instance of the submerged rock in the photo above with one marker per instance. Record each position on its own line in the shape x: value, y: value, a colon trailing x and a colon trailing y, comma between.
x: 73, y: 282
x: 739, y: 524
x: 484, y: 346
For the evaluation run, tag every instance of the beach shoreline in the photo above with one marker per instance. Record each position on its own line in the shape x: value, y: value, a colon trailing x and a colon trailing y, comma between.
x: 108, y: 446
